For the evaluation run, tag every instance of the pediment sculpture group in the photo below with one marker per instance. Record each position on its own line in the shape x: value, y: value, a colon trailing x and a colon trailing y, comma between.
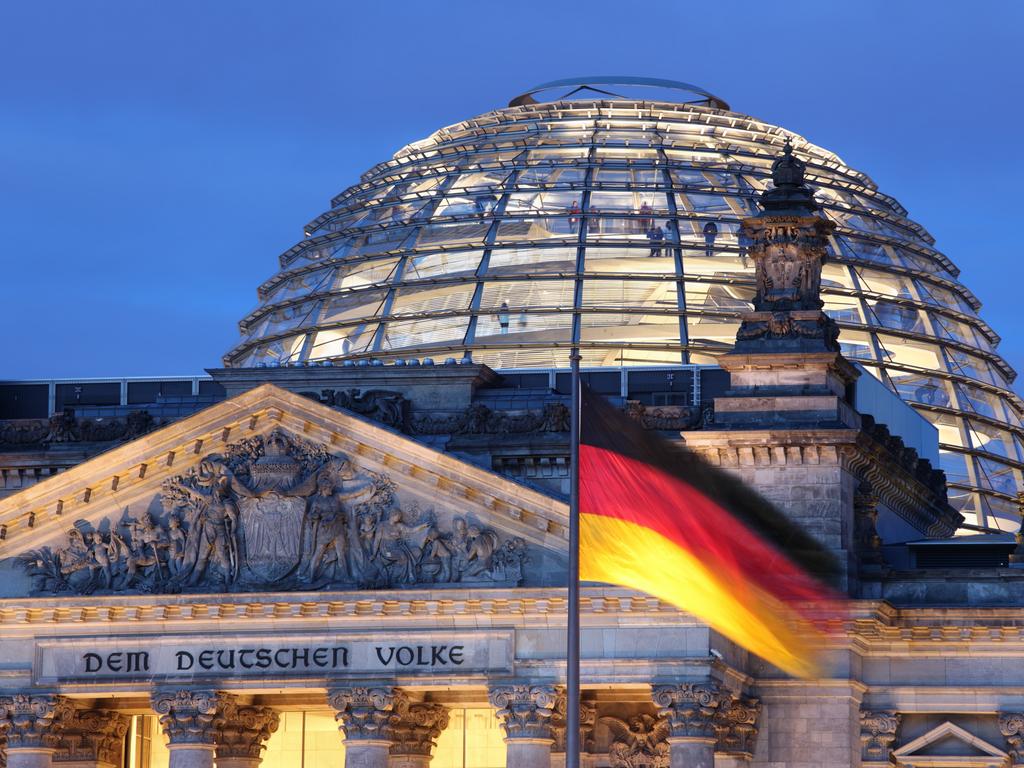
x: 276, y: 512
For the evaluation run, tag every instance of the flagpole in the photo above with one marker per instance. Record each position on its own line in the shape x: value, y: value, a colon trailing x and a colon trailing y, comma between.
x: 572, y: 651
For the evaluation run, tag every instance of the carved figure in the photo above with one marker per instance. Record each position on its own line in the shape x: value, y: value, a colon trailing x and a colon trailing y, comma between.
x: 175, y: 545
x: 378, y: 404
x: 63, y: 428
x: 100, y: 552
x: 328, y: 517
x: 214, y: 531
x: 471, y: 549
x: 642, y: 742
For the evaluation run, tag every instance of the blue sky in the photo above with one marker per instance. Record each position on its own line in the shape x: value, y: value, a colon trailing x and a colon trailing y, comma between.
x: 155, y: 158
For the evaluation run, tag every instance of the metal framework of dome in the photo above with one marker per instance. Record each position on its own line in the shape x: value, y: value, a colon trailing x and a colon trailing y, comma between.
x: 469, y: 243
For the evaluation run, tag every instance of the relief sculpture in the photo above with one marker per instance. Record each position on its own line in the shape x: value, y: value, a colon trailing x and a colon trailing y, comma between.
x: 275, y: 513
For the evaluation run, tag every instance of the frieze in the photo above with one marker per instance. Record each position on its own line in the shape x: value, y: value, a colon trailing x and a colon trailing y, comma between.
x: 479, y: 419
x: 65, y: 427
x: 276, y: 512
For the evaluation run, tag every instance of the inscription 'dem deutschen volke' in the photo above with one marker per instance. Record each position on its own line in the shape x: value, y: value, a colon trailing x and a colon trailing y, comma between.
x: 232, y: 655
x: 231, y: 659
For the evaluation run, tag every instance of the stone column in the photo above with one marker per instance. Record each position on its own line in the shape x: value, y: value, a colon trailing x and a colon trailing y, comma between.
x: 91, y: 738
x: 190, y: 720
x: 1011, y: 725
x: 559, y: 728
x: 31, y: 725
x: 414, y: 735
x: 736, y: 732
x: 877, y: 733
x: 525, y: 713
x: 690, y: 710
x: 366, y: 716
x: 242, y: 735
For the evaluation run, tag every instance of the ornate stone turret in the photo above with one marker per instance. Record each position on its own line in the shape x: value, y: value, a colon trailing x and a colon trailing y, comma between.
x: 786, y: 368
x: 787, y: 242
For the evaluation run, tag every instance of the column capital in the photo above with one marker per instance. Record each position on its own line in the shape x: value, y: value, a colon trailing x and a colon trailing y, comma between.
x: 690, y: 708
x: 365, y: 713
x: 877, y: 733
x: 243, y: 732
x: 524, y: 710
x: 31, y: 721
x: 94, y: 735
x: 736, y: 727
x: 588, y: 717
x: 415, y: 731
x: 1011, y: 725
x: 192, y: 716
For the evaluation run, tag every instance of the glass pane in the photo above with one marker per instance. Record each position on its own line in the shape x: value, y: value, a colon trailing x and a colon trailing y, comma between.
x: 625, y: 259
x: 442, y: 299
x: 338, y: 342
x: 538, y: 228
x: 413, y: 333
x: 300, y: 285
x: 446, y: 263
x: 365, y: 273
x: 534, y: 260
x: 352, y: 306
x: 533, y: 294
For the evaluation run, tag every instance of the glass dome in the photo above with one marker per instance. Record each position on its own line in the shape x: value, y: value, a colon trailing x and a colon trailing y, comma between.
x: 469, y: 242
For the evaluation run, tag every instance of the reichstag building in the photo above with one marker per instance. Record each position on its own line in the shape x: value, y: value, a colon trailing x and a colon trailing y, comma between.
x: 347, y: 545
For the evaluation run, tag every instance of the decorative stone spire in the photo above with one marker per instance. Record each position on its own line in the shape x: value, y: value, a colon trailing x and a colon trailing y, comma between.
x: 789, y: 196
x: 787, y: 243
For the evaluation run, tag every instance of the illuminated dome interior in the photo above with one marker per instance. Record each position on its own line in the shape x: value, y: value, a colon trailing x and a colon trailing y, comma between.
x: 468, y: 243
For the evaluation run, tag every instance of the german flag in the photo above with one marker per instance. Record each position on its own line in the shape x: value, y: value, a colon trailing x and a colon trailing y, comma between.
x: 658, y: 518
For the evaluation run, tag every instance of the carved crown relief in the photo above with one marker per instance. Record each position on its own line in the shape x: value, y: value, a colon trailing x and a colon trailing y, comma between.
x: 276, y: 512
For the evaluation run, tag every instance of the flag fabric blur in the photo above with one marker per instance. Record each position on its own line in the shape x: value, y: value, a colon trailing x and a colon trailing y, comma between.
x: 658, y: 518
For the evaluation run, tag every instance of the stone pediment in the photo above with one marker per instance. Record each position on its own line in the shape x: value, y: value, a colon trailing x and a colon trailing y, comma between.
x: 270, y: 491
x: 950, y: 745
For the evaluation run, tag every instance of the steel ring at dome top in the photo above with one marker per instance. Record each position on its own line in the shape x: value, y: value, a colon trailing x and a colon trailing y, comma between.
x: 589, y: 83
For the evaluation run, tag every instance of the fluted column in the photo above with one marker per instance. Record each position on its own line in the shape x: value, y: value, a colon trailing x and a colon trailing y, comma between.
x: 191, y: 720
x: 690, y: 709
x: 31, y: 725
x: 91, y: 738
x: 242, y: 736
x: 366, y: 716
x: 736, y: 731
x: 525, y: 712
x: 414, y: 735
x: 877, y: 733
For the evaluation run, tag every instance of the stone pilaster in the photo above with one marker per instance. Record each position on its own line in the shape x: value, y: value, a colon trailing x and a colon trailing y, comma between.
x: 736, y: 729
x: 525, y: 712
x: 31, y: 724
x: 877, y: 733
x: 366, y: 716
x: 91, y: 738
x: 414, y: 735
x: 559, y: 727
x: 191, y: 721
x: 1011, y: 725
x: 690, y: 709
x: 242, y: 736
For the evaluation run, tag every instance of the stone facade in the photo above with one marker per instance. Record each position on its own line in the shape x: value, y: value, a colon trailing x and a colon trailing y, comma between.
x: 371, y: 544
